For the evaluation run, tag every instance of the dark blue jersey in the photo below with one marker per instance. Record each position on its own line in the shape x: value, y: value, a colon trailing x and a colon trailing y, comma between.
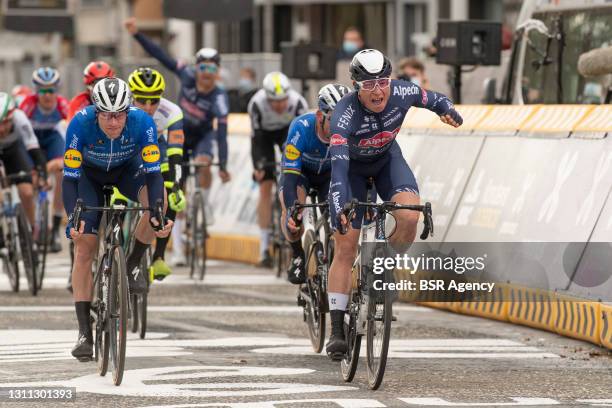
x: 359, y: 135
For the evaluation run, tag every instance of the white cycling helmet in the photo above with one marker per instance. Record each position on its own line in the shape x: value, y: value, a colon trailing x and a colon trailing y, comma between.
x: 111, y: 95
x: 7, y: 106
x: 208, y: 54
x: 276, y: 85
x: 330, y: 95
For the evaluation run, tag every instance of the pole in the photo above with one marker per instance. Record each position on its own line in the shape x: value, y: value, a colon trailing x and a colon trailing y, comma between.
x: 456, y: 91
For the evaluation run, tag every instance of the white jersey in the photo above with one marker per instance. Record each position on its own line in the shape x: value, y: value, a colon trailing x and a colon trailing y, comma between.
x: 168, y: 116
x: 22, y: 129
x: 263, y: 118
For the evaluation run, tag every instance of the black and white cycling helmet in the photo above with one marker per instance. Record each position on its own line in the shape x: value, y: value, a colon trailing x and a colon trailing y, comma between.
x: 330, y: 95
x: 370, y: 64
x: 111, y: 95
x: 208, y: 54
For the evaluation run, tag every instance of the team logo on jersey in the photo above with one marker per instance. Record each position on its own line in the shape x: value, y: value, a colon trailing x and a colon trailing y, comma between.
x: 337, y: 140
x: 404, y: 91
x: 150, y: 154
x: 73, y: 159
x: 291, y: 152
x: 379, y: 140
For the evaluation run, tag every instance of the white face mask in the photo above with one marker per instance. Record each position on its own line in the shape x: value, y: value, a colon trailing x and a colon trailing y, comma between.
x: 416, y: 81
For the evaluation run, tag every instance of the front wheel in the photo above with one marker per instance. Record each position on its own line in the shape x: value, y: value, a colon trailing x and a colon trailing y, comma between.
x: 43, y: 241
x: 198, y: 237
x: 26, y: 246
x: 118, y: 312
x: 349, y: 363
x: 380, y: 315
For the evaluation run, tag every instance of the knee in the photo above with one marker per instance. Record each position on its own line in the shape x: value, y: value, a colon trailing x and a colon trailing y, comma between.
x: 83, y: 254
x: 26, y: 192
x: 345, y: 251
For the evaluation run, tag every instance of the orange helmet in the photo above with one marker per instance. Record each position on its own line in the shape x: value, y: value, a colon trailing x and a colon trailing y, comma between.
x: 96, y: 70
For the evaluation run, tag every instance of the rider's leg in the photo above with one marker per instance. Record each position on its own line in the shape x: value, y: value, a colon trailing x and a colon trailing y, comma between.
x: 264, y: 216
x: 262, y: 154
x: 406, y: 221
x: 82, y: 284
x: 297, y: 271
x: 339, y: 287
x: 159, y: 266
x: 26, y: 195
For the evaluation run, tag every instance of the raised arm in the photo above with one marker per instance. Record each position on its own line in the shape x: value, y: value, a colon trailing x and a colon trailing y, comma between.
x: 152, y: 48
x: 434, y: 101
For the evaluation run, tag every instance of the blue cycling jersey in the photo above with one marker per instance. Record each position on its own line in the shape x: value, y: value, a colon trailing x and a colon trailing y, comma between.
x: 359, y: 135
x: 304, y: 151
x: 87, y: 146
x: 199, y: 109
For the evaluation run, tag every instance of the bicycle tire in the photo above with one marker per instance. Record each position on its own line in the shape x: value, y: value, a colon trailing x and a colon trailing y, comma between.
x: 198, y: 240
x: 377, y: 360
x: 102, y: 339
x: 134, y: 313
x: 348, y: 365
x: 26, y: 243
x: 202, y: 245
x: 44, y: 242
x: 117, y: 312
x: 13, y: 274
x: 142, y: 300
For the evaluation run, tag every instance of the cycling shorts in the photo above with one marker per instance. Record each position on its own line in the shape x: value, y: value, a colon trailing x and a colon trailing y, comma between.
x: 16, y: 160
x: 391, y: 175
x: 262, y: 150
x: 128, y: 178
x: 53, y: 144
x: 198, y: 142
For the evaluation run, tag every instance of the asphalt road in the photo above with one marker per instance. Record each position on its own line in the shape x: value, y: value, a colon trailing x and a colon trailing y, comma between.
x: 238, y: 340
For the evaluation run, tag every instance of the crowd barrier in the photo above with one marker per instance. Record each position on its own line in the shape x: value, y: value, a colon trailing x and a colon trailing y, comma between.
x: 516, y: 174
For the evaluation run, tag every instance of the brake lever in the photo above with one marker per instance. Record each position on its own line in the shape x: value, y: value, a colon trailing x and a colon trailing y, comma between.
x: 293, y: 213
x: 428, y: 229
x: 159, y: 215
x: 78, y: 209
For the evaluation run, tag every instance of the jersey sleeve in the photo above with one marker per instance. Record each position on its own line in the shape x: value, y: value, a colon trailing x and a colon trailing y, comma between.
x: 340, y: 130
x: 149, y: 148
x: 24, y: 128
x: 62, y: 107
x: 292, y: 153
x: 73, y: 153
x: 421, y: 98
x: 221, y: 110
x: 158, y: 53
x: 28, y: 105
x: 77, y: 104
x: 254, y: 114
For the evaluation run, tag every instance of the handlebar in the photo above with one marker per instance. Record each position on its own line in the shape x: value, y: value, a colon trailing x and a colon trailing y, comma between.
x: 387, y: 206
x: 157, y: 210
x: 297, y: 206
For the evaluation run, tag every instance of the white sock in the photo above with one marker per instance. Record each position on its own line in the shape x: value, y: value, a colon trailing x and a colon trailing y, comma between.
x: 337, y: 301
x: 264, y: 242
x: 177, y: 236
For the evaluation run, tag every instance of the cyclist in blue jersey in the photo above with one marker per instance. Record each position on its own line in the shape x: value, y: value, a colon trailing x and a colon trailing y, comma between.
x: 305, y: 164
x: 109, y: 143
x: 202, y: 101
x: 364, y: 126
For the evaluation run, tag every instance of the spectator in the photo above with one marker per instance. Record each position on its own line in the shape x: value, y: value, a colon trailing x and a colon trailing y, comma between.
x: 412, y: 69
x: 247, y: 86
x: 351, y: 44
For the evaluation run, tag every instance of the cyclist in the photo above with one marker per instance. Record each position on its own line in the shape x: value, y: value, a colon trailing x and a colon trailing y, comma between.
x: 109, y: 143
x: 364, y: 126
x: 271, y: 110
x: 306, y: 163
x: 147, y: 86
x: 20, y: 92
x: 19, y: 145
x: 47, y: 111
x: 93, y: 72
x: 201, y: 101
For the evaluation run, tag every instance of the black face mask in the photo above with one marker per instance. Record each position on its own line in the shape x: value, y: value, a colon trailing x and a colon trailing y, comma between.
x: 403, y: 77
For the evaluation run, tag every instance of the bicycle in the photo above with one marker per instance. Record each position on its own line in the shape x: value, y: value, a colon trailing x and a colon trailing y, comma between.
x: 371, y: 313
x: 319, y: 248
x: 281, y: 250
x: 196, y: 222
x: 110, y: 298
x: 16, y: 238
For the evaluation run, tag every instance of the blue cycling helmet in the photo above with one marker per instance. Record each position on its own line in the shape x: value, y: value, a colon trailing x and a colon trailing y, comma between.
x: 46, y: 77
x: 330, y: 95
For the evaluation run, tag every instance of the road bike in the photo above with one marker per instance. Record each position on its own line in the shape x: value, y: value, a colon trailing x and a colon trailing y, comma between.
x: 110, y: 304
x: 16, y: 240
x: 319, y: 248
x: 370, y: 311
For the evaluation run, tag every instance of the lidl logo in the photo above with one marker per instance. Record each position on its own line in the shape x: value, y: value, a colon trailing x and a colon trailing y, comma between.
x: 73, y: 158
x: 150, y: 154
x: 291, y: 152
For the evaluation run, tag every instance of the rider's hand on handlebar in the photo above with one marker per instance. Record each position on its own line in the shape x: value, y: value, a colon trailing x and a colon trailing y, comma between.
x: 258, y: 175
x: 130, y: 25
x: 165, y: 231
x: 74, y: 234
x: 292, y: 225
x: 224, y: 175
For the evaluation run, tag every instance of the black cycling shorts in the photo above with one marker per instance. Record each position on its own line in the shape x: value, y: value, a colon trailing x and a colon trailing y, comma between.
x: 16, y: 160
x: 262, y: 150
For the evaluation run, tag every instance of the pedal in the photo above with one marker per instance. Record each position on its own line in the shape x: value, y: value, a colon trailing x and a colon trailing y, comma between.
x: 85, y: 359
x: 336, y: 356
x: 300, y: 301
x: 394, y: 318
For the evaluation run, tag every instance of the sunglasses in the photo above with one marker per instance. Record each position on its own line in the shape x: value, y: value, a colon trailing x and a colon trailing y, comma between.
x: 113, y: 115
x: 143, y: 100
x: 210, y: 68
x: 370, y: 84
x: 46, y: 91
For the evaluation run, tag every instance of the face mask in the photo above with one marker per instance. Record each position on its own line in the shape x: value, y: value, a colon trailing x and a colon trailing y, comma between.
x: 245, y: 84
x: 416, y: 81
x: 350, y: 46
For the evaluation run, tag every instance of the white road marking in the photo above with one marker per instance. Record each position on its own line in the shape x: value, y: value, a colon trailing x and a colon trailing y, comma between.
x: 216, y: 308
x: 518, y: 401
x: 145, y: 382
x: 340, y: 402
